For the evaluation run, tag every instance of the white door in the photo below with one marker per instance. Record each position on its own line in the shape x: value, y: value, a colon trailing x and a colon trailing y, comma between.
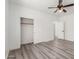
x: 26, y: 32
x: 59, y: 30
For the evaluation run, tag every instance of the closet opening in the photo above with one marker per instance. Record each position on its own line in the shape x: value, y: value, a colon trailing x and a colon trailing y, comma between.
x: 27, y: 28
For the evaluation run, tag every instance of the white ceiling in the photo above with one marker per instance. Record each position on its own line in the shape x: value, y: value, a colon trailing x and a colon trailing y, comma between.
x: 43, y: 5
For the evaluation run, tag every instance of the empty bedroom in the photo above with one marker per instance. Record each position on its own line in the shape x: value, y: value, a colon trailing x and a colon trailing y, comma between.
x: 39, y: 29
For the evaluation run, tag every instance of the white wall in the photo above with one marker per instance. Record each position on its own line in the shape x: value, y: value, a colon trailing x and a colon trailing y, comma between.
x: 6, y: 30
x: 69, y: 26
x: 43, y: 29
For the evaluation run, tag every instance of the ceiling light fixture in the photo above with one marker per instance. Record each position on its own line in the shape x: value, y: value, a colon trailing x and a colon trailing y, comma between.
x: 61, y: 9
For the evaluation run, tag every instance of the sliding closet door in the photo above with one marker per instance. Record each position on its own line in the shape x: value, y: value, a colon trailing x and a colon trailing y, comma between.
x: 26, y: 31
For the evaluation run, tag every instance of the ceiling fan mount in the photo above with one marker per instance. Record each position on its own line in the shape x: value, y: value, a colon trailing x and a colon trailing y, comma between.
x: 60, y: 7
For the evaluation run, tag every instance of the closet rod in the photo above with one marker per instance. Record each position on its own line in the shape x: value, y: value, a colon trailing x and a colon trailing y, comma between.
x: 27, y: 23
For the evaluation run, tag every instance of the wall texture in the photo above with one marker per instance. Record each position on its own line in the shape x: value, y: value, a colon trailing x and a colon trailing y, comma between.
x: 43, y: 29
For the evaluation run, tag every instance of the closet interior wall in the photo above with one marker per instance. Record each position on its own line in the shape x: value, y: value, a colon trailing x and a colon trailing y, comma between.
x: 26, y: 30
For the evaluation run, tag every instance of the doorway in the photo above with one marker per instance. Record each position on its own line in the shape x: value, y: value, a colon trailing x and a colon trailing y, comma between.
x: 26, y: 30
x: 59, y: 30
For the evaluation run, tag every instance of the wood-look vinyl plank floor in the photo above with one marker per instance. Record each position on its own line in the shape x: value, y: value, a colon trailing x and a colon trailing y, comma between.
x: 37, y: 52
x: 25, y: 53
x: 18, y: 54
x: 55, y: 49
